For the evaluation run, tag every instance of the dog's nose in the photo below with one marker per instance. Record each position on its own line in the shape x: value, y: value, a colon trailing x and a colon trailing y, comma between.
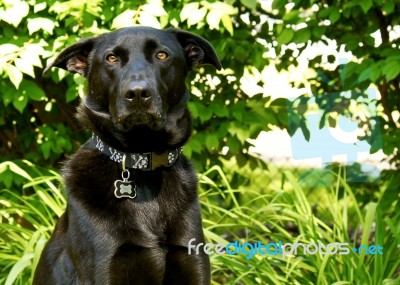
x: 138, y: 91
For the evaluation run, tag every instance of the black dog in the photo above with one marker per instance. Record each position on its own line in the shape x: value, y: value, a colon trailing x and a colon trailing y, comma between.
x: 132, y: 195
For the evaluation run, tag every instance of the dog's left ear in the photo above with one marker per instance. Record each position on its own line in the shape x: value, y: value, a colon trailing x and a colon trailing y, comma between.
x: 74, y: 58
x: 197, y: 50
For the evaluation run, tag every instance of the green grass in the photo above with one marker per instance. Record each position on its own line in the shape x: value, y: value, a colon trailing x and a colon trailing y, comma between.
x: 28, y: 217
x: 267, y: 205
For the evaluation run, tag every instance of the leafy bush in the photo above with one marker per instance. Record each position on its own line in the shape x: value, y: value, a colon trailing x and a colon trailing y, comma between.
x: 43, y: 107
x: 37, y: 113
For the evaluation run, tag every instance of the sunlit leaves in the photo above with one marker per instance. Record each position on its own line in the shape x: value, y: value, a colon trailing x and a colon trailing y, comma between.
x: 37, y: 24
x: 14, y: 11
x: 15, y: 61
x: 24, y: 66
x: 214, y: 14
x: 188, y: 10
x: 146, y: 15
x: 14, y: 74
x: 76, y: 8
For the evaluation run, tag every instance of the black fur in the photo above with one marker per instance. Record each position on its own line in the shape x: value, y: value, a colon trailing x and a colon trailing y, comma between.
x: 136, y: 104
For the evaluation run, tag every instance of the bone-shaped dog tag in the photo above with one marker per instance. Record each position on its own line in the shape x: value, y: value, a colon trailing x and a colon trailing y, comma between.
x: 125, y: 188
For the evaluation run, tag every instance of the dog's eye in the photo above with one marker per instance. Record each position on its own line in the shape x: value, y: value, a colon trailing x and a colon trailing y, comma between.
x: 111, y: 58
x: 162, y: 55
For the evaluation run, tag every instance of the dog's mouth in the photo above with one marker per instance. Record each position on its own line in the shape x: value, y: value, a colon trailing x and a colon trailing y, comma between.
x: 125, y: 122
x: 153, y: 121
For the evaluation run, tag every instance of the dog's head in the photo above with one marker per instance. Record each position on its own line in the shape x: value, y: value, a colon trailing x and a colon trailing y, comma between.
x: 136, y: 76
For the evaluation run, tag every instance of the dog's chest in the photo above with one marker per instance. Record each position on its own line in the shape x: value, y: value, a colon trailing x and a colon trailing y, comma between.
x: 161, y: 197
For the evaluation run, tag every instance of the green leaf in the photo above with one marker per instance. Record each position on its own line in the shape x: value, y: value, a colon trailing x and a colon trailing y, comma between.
x: 24, y: 262
x: 285, y: 37
x: 324, y: 13
x: 291, y: 17
x: 370, y: 71
x: 251, y: 4
x: 388, y: 7
x: 319, y: 31
x: 7, y: 178
x: 220, y: 110
x: 365, y: 5
x: 205, y: 113
x: 71, y: 94
x: 302, y: 109
x: 223, y: 129
x: 196, y: 144
x: 305, y: 130
x: 302, y: 36
x: 187, y: 150
x: 375, y: 73
x: 364, y: 75
x: 391, y: 70
x: 19, y: 171
x: 227, y: 22
x: 376, y: 144
x: 212, y: 142
x: 332, y: 122
x: 46, y: 148
x: 9, y: 95
x: 334, y: 15
x: 278, y: 4
x: 234, y: 144
x: 193, y: 109
x: 20, y: 102
x: 32, y: 90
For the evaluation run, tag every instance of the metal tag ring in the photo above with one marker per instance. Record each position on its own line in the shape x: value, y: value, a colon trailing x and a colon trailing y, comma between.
x: 126, y: 171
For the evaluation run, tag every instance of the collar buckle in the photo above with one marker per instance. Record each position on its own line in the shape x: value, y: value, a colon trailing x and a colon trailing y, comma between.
x: 159, y: 159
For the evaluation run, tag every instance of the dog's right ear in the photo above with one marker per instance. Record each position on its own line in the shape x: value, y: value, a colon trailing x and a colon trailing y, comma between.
x: 74, y: 58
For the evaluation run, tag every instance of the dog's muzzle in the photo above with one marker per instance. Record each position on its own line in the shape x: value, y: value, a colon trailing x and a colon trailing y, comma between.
x: 138, y: 104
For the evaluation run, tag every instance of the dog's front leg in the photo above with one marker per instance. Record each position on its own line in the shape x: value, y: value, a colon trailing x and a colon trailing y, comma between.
x: 188, y: 269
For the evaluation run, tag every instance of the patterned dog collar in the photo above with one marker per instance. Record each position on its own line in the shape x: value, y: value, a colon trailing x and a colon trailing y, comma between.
x: 142, y: 161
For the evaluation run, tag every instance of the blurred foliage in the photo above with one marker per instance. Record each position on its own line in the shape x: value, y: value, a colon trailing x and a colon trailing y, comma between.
x: 370, y: 31
x: 36, y: 114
